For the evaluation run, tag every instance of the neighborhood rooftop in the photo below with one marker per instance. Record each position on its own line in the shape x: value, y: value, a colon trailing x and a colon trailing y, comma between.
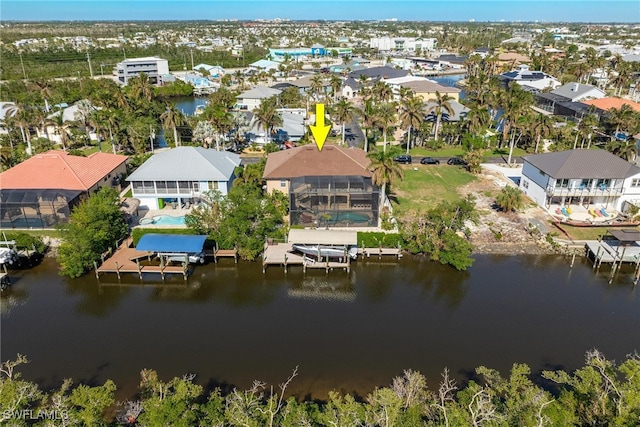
x: 308, y: 161
x: 574, y: 164
x: 58, y: 169
x: 187, y: 164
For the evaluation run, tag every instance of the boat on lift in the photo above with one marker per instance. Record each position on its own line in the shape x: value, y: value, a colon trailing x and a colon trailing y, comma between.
x: 322, y: 251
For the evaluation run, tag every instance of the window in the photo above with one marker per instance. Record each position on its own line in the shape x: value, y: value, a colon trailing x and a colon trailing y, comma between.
x: 586, y: 183
x: 562, y: 183
x: 172, y: 187
x: 213, y: 185
x: 635, y: 182
x: 283, y: 183
x: 196, y: 187
x: 525, y: 184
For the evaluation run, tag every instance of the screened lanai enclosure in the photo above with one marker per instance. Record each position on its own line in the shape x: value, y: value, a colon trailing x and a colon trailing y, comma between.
x: 27, y: 208
x: 334, y: 201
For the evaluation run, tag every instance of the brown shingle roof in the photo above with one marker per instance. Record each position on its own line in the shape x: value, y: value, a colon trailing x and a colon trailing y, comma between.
x: 583, y: 164
x: 308, y: 161
x: 60, y: 170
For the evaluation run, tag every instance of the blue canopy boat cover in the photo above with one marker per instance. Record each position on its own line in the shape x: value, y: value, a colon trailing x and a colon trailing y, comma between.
x: 175, y: 243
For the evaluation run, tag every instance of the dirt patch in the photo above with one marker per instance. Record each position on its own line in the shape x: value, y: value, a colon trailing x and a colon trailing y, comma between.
x: 503, y: 232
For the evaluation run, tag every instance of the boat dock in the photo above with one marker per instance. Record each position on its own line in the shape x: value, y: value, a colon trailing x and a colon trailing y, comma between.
x: 380, y: 252
x: 615, y: 248
x: 126, y: 259
x: 280, y: 254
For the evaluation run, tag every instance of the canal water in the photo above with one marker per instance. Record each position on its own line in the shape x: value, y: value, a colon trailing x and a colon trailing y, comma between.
x: 231, y: 324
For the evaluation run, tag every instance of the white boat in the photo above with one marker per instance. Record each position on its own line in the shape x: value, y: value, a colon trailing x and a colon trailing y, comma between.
x: 326, y: 251
x: 180, y: 257
x: 8, y: 256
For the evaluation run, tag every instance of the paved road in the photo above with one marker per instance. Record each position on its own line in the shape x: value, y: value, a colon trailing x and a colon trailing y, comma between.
x: 353, y: 135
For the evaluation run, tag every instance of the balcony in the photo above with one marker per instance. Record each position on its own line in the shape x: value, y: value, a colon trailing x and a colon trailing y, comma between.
x: 584, y: 191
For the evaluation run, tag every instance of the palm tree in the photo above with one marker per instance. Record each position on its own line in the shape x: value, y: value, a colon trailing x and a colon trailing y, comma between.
x: 221, y: 120
x: 266, y: 115
x: 382, y: 91
x: 316, y: 85
x: 478, y: 119
x: 344, y: 112
x: 83, y: 116
x: 385, y: 117
x: 140, y: 87
x: 171, y: 119
x: 542, y: 127
x: 385, y: 171
x: 623, y: 149
x: 515, y: 102
x: 336, y: 83
x: 22, y: 118
x: 621, y: 117
x: 442, y: 105
x: 412, y: 112
x: 61, y: 127
x: 369, y: 117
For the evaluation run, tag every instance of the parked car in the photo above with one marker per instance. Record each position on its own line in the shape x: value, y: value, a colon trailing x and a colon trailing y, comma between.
x: 429, y: 161
x: 456, y: 161
x: 403, y: 158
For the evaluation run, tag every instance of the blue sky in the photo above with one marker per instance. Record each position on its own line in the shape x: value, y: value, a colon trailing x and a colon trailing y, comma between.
x: 424, y: 10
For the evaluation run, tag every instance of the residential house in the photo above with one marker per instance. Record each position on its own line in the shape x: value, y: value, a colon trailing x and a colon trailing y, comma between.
x: 426, y: 89
x: 152, y: 66
x: 581, y: 178
x: 331, y: 187
x: 565, y: 100
x: 350, y: 87
x: 531, y: 80
x: 41, y: 191
x: 183, y: 176
x: 377, y: 73
x: 608, y: 103
x: 252, y: 98
x: 264, y: 65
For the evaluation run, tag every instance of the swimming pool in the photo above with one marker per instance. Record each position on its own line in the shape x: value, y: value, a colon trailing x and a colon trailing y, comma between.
x: 163, y: 220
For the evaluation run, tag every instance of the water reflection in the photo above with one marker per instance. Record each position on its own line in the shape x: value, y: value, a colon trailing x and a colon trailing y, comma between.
x: 328, y: 288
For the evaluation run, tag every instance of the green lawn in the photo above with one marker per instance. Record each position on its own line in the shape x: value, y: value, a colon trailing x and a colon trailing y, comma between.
x: 425, y: 187
x: 587, y: 233
x: 457, y: 151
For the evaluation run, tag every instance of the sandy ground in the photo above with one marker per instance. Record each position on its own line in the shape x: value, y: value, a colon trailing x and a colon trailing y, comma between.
x: 503, y: 232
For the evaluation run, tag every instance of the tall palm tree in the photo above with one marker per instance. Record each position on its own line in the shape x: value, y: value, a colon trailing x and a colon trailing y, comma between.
x: 140, y: 87
x: 478, y: 120
x: 412, y: 112
x: 316, y: 85
x: 21, y: 117
x: 171, y: 119
x: 621, y: 117
x: 586, y: 127
x: 344, y: 112
x: 221, y: 120
x: 542, y: 127
x: 385, y: 171
x: 336, y: 83
x: 368, y: 112
x: 441, y: 105
x: 83, y: 116
x: 382, y: 91
x: 61, y: 127
x: 385, y: 117
x: 515, y: 101
x: 266, y: 115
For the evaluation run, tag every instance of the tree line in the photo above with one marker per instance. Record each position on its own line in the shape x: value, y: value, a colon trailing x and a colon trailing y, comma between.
x: 602, y: 392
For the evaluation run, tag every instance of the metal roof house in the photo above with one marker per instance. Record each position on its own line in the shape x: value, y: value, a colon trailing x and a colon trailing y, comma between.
x: 536, y: 80
x: 584, y: 177
x: 183, y: 175
x: 251, y: 99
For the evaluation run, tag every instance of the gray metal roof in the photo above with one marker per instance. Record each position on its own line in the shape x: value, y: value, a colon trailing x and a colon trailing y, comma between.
x: 260, y: 92
x: 187, y: 164
x: 583, y: 164
x: 574, y: 91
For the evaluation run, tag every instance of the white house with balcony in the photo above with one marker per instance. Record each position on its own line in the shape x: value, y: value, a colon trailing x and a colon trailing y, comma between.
x: 152, y: 66
x: 581, y: 179
x: 182, y: 176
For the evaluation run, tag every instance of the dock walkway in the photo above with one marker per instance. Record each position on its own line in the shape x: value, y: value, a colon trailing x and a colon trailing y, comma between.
x: 127, y: 260
x: 280, y: 254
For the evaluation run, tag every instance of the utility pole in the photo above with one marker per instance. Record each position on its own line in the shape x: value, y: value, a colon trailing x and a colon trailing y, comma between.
x: 89, y: 61
x: 192, y: 65
x: 24, y: 73
x: 102, y: 69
